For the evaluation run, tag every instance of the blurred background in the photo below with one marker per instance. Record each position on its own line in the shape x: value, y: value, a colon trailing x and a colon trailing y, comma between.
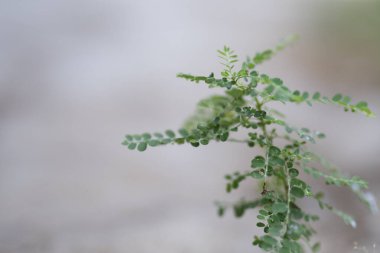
x: 75, y: 76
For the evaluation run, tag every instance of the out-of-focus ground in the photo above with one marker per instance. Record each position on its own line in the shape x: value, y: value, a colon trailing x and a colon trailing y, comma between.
x: 75, y: 76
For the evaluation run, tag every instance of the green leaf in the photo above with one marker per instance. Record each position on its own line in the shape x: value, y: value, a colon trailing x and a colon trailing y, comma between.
x: 260, y: 114
x: 275, y: 230
x: 285, y: 250
x: 316, y: 96
x: 298, y: 182
x: 129, y: 137
x: 297, y: 192
x: 228, y: 188
x: 274, y: 161
x: 258, y: 174
x: 279, y: 207
x: 146, y: 136
x: 293, y: 172
x: 153, y: 143
x: 192, y: 78
x: 277, y: 81
x: 260, y: 224
x: 316, y: 247
x: 194, y: 144
x: 274, y: 151
x: 320, y: 135
x: 159, y: 135
x: 337, y: 97
x: 166, y: 141
x: 362, y: 105
x: 270, y: 240
x: 137, y: 137
x: 179, y: 140
x: 260, y: 217
x: 293, y: 246
x: 221, y: 211
x: 224, y: 136
x: 183, y: 132
x: 170, y: 133
x: 258, y: 162
x: 132, y: 146
x: 142, y: 146
x: 204, y: 141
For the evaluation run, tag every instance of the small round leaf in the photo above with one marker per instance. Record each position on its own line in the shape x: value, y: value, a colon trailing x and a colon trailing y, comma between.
x: 142, y: 146
x: 297, y: 192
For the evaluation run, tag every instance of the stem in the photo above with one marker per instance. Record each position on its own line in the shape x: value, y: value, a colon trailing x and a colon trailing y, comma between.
x: 236, y: 140
x: 287, y: 188
x: 268, y: 144
x: 265, y: 171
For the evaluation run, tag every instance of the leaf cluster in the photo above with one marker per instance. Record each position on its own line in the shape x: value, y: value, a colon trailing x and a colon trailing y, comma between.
x: 278, y: 169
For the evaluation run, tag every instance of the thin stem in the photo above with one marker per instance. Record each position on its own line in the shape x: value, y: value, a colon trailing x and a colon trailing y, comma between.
x: 287, y: 188
x: 268, y: 144
x: 236, y: 140
x: 266, y: 171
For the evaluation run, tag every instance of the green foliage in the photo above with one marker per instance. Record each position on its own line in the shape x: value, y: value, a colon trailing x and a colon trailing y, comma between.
x: 336, y: 178
x: 245, y: 104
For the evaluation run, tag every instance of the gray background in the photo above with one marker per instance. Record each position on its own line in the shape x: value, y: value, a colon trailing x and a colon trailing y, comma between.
x: 77, y: 75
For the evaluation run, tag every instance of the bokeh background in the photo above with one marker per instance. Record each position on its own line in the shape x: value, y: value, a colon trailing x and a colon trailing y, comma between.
x: 76, y: 75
